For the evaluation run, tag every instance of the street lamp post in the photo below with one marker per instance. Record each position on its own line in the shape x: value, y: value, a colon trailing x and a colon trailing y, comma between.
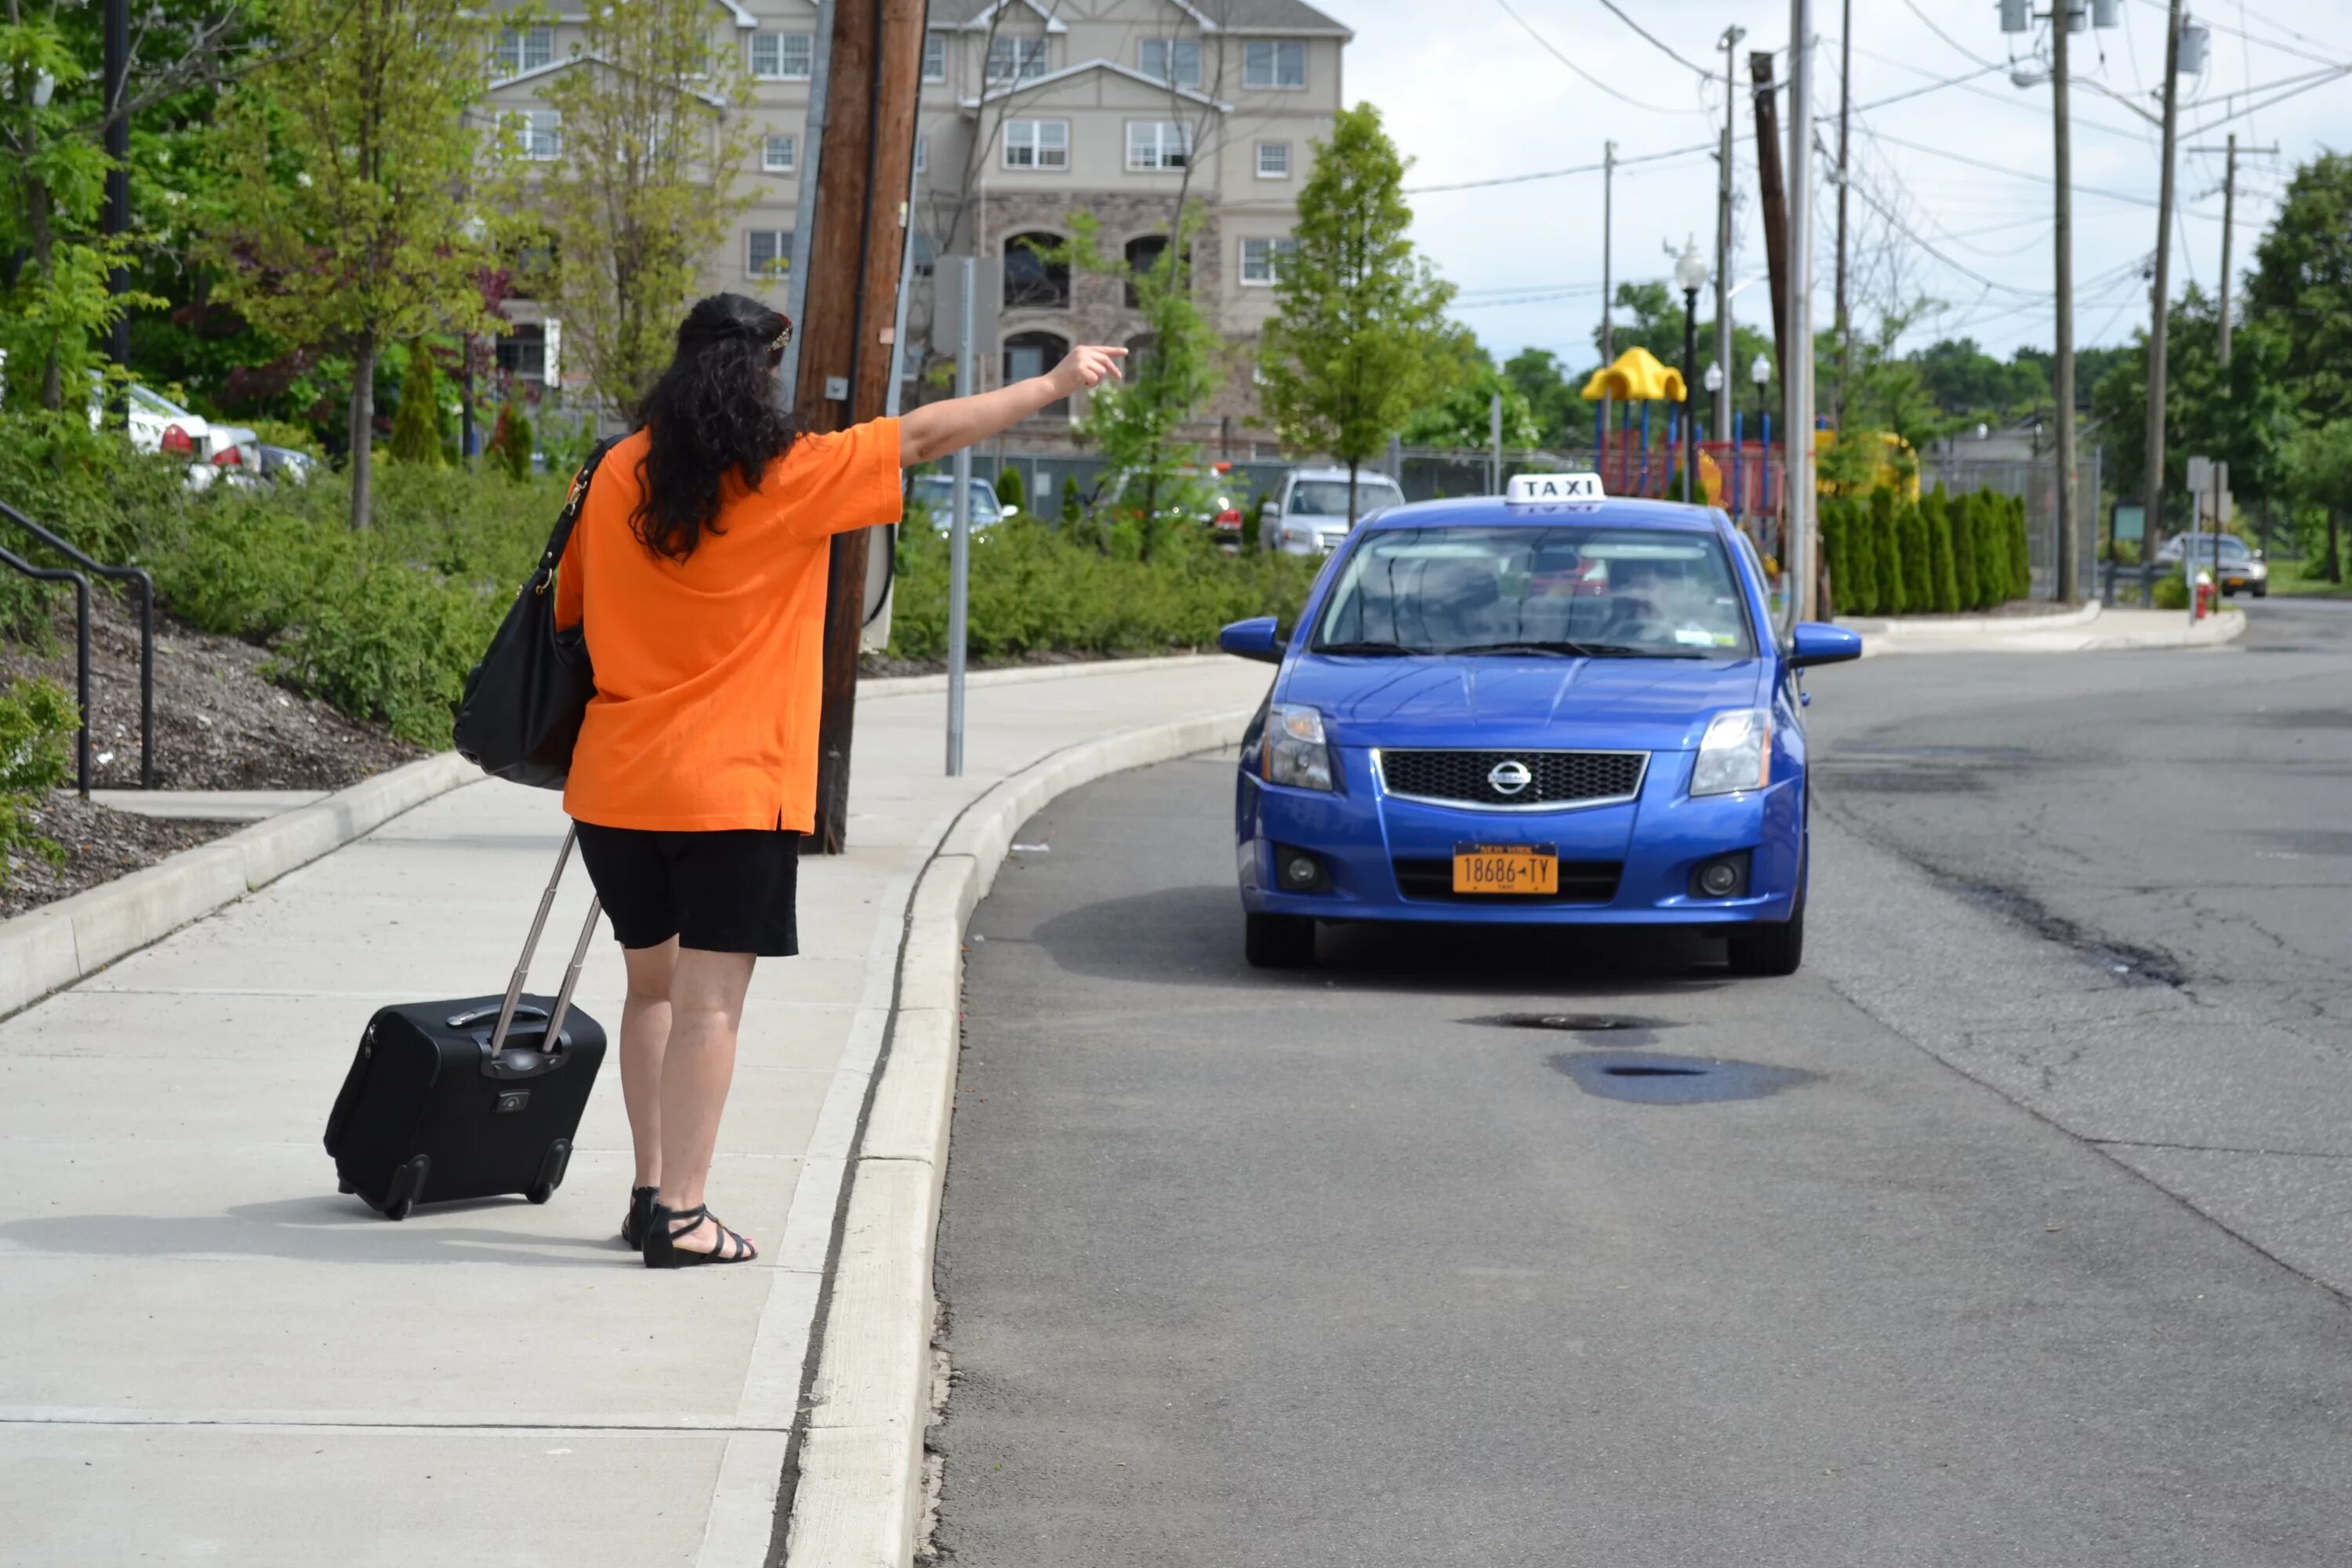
x: 1759, y: 371
x: 1690, y: 276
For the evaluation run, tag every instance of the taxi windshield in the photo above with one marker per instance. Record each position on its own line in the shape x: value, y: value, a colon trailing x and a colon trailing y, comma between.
x: 1590, y: 590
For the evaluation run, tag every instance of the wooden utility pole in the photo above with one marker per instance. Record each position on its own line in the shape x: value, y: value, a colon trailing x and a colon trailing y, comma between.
x: 1723, y: 175
x: 849, y: 312
x: 2067, y: 558
x: 2229, y: 223
x: 2159, y: 316
x: 1845, y: 111
x: 1776, y: 204
x: 1607, y: 300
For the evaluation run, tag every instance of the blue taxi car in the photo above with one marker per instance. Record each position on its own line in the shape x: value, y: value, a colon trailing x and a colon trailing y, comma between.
x: 1550, y: 708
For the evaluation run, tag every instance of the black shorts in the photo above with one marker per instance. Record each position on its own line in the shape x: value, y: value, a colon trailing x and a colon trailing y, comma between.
x: 728, y: 892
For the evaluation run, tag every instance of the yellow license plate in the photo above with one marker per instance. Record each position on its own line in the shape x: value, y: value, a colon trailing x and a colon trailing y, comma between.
x: 1506, y: 868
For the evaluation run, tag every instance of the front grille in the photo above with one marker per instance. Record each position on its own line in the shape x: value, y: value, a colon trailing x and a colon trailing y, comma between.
x: 1558, y: 778
x: 1581, y: 883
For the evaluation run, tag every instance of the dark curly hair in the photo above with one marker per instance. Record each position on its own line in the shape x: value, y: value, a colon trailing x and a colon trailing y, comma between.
x: 716, y: 409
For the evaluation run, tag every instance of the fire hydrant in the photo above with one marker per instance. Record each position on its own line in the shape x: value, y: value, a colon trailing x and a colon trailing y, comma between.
x: 2204, y: 601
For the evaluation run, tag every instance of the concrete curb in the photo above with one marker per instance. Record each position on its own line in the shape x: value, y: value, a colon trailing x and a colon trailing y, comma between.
x: 1986, y: 626
x: 1022, y: 675
x: 859, y: 1498
x: 2221, y: 626
x: 47, y: 949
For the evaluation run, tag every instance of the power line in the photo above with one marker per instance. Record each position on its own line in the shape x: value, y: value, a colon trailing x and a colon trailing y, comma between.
x: 2332, y: 75
x: 1655, y: 41
x: 1547, y: 45
x: 1972, y: 54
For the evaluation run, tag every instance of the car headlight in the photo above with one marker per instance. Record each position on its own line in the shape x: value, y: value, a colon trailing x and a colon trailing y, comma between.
x: 1296, y: 752
x: 1736, y: 752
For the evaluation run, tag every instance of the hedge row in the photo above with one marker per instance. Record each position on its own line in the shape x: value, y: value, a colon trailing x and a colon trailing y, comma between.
x: 1938, y: 555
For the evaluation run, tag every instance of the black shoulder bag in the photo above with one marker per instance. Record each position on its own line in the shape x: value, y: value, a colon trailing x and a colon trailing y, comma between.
x: 524, y: 703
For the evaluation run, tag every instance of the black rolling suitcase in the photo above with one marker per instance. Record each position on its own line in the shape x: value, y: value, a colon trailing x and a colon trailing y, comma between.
x: 470, y: 1098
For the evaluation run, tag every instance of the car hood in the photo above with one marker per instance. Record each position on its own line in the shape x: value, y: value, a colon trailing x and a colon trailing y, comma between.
x: 1656, y: 704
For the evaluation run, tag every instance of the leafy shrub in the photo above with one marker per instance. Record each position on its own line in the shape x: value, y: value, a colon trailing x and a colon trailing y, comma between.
x: 1074, y: 502
x: 1033, y: 590
x: 2172, y: 592
x: 37, y: 721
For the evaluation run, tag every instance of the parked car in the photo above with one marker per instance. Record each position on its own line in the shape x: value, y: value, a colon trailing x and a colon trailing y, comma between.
x: 1306, y: 514
x: 159, y: 425
x: 2241, y: 565
x: 285, y: 463
x: 1218, y: 491
x: 936, y: 494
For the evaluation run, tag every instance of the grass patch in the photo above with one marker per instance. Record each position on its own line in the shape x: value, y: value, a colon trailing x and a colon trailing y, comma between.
x: 2302, y: 579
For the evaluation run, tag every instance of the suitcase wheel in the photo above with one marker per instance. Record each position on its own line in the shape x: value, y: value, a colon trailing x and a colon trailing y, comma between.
x: 550, y: 1171
x: 408, y: 1183
x: 345, y: 1188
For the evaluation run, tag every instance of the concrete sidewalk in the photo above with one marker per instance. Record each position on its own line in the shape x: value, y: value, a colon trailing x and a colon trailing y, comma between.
x: 2088, y: 629
x: 212, y: 1355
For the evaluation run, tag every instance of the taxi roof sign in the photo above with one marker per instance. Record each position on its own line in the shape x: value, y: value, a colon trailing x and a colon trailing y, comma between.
x: 1539, y: 489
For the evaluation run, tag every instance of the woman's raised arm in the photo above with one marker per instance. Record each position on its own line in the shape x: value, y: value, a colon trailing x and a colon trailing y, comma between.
x: 936, y: 429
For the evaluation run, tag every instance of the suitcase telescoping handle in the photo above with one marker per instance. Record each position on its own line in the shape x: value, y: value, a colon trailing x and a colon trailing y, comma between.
x: 506, y: 1008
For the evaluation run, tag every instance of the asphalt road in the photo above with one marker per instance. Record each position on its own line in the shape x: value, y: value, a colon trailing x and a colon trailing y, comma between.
x: 2008, y: 1254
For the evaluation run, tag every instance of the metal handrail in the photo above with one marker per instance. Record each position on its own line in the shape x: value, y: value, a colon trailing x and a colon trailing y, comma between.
x: 81, y: 651
x: 146, y: 636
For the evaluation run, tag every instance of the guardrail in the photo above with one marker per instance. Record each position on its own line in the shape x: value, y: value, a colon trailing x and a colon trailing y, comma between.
x: 146, y: 587
x: 81, y: 651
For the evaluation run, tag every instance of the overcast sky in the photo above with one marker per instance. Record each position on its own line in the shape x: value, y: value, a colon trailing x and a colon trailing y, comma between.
x: 1469, y: 94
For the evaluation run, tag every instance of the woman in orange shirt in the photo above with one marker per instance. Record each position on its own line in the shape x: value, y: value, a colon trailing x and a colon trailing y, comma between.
x: 699, y: 564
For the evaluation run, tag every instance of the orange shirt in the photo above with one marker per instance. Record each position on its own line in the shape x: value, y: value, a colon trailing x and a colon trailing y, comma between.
x: 708, y: 673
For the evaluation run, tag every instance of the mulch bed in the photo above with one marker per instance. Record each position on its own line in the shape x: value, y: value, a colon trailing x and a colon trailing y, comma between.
x: 219, y: 725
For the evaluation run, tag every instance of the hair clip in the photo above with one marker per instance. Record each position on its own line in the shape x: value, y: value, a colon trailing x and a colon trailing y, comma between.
x: 783, y: 337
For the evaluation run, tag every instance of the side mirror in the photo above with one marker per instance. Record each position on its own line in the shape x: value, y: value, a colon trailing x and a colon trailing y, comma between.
x: 1259, y: 638
x: 2258, y: 556
x: 1008, y: 510
x: 1814, y: 643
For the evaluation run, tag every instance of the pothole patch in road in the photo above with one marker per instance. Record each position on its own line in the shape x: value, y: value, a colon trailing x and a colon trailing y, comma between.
x: 1573, y: 1023
x: 1648, y: 1077
x: 2128, y: 961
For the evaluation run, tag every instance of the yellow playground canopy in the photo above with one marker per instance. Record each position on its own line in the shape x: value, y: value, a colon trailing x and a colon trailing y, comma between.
x: 1638, y: 376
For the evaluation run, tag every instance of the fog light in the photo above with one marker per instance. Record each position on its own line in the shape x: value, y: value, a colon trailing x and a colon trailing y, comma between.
x: 1724, y: 878
x: 1299, y: 871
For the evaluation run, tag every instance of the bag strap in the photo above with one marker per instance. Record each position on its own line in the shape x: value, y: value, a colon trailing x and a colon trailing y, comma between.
x: 545, y: 571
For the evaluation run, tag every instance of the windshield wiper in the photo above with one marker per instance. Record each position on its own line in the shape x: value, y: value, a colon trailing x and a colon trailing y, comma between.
x: 1389, y: 648
x: 1579, y: 649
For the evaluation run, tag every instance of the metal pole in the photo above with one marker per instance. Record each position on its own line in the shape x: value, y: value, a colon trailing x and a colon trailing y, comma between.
x: 1495, y: 438
x: 960, y: 536
x: 1731, y: 37
x: 1690, y: 367
x: 2160, y: 295
x: 1797, y: 362
x: 1607, y: 328
x: 2068, y: 587
x: 2229, y: 213
x: 1845, y: 109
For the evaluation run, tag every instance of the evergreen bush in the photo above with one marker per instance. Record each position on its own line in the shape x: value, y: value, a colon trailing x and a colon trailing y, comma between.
x: 1009, y: 491
x: 511, y: 441
x: 1886, y: 552
x: 1935, y: 509
x: 1919, y: 570
x: 1961, y: 522
x: 416, y: 424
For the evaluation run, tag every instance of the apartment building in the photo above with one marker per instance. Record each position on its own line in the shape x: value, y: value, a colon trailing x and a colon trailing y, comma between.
x: 1030, y: 110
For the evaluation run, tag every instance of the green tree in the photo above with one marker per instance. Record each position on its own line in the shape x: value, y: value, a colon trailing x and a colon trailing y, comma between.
x: 1359, y: 317
x: 350, y: 227
x: 2302, y: 284
x: 417, y: 423
x: 1463, y: 417
x: 646, y: 186
x: 2242, y: 413
x: 1935, y: 510
x: 1887, y: 552
x: 2318, y: 469
x: 1969, y: 385
x: 1551, y: 398
x: 1918, y: 569
x: 1657, y: 326
x: 1138, y: 425
x: 1962, y: 523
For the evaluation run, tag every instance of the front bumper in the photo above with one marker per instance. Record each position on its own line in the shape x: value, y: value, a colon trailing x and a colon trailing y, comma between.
x: 1655, y: 841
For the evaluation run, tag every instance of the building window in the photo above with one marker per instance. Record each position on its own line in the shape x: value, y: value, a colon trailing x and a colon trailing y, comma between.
x: 1033, y: 279
x: 1273, y: 160
x: 522, y: 352
x: 1268, y: 62
x: 1157, y: 143
x: 1143, y: 254
x: 1016, y: 59
x: 934, y: 56
x: 783, y: 56
x: 1261, y: 258
x: 1036, y: 143
x: 780, y: 154
x: 922, y: 154
x: 767, y: 253
x: 925, y: 255
x: 1176, y: 60
x: 1029, y: 354
x: 538, y: 134
x: 525, y: 48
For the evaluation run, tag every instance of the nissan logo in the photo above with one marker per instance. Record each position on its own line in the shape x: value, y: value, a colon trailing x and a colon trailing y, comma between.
x: 1510, y: 778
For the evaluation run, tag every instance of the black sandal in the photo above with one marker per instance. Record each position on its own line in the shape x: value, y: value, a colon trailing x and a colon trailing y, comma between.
x: 640, y: 1215
x: 662, y: 1251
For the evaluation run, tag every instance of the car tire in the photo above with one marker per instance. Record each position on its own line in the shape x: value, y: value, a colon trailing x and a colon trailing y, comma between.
x: 1277, y: 942
x: 2261, y: 593
x: 1775, y: 948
